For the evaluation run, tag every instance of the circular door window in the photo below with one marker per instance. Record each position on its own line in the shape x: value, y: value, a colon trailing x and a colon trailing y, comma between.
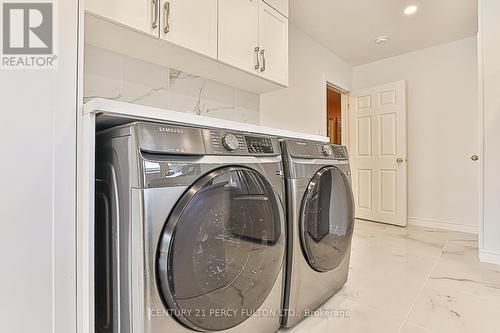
x: 221, y: 250
x: 327, y: 219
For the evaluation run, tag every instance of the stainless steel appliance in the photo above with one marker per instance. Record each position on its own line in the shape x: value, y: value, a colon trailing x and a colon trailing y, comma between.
x: 190, y: 230
x: 320, y: 211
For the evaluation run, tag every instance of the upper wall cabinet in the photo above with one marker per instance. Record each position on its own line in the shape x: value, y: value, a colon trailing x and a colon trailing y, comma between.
x: 142, y: 15
x: 191, y: 24
x: 251, y: 36
x: 239, y: 33
x: 273, y: 41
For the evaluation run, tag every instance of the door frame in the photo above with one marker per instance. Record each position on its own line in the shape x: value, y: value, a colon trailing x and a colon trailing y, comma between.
x: 344, y: 109
x: 483, y: 254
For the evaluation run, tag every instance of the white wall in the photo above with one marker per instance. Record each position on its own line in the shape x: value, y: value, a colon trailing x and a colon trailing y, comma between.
x: 37, y: 200
x: 302, y: 106
x: 443, y: 182
x: 489, y: 38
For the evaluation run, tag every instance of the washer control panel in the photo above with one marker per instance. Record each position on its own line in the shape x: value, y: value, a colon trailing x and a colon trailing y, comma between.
x: 327, y: 150
x: 339, y: 152
x: 332, y: 151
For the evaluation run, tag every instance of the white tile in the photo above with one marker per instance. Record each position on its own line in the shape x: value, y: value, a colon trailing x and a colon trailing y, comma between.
x: 459, y: 268
x: 389, y: 281
x: 102, y: 74
x: 413, y: 242
x: 119, y: 77
x: 372, y: 287
x: 397, y: 261
x: 248, y: 106
x: 427, y: 233
x: 247, y: 100
x: 226, y: 102
x: 309, y: 325
x: 445, y: 310
x: 410, y: 328
x: 145, y: 83
x: 365, y: 233
x: 361, y: 318
x: 221, y: 93
x: 359, y: 241
x: 187, y: 93
x: 248, y: 116
x: 221, y: 101
x: 463, y: 236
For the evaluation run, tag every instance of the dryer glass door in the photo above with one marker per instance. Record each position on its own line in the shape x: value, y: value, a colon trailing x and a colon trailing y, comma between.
x: 221, y: 249
x: 327, y: 219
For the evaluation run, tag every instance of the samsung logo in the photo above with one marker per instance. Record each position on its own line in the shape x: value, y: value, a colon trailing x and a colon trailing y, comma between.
x: 171, y: 130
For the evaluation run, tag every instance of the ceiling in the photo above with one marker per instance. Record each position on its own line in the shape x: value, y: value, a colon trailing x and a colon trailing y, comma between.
x: 349, y: 27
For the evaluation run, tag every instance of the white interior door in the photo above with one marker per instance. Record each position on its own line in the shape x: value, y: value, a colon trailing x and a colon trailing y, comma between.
x: 191, y: 24
x: 377, y: 130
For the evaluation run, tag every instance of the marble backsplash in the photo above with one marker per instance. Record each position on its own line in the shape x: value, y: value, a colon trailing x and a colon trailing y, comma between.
x: 118, y: 77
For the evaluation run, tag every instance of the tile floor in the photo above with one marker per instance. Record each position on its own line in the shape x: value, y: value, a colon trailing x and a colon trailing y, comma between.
x: 413, y: 280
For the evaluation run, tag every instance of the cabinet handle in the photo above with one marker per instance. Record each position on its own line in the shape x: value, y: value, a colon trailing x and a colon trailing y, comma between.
x: 155, y: 10
x: 263, y: 54
x: 166, y: 29
x: 257, y: 66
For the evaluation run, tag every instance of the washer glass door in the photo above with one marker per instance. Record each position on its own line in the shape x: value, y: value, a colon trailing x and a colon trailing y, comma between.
x: 327, y: 219
x: 221, y: 249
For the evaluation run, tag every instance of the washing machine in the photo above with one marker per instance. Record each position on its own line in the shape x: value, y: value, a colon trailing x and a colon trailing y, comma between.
x: 189, y: 230
x: 320, y: 209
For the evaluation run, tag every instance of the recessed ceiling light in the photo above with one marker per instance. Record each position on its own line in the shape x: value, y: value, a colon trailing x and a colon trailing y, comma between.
x: 381, y: 40
x: 410, y: 10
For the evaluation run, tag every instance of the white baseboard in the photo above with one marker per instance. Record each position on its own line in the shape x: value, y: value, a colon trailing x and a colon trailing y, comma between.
x: 429, y: 223
x: 489, y: 257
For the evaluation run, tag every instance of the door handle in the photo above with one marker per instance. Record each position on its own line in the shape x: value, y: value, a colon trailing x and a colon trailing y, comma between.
x: 399, y: 160
x: 166, y: 28
x: 154, y: 4
x: 256, y: 50
x: 474, y: 158
x: 263, y: 54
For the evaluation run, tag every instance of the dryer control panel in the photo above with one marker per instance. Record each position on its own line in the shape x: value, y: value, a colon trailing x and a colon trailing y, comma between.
x: 316, y: 150
x: 260, y: 145
x: 237, y: 143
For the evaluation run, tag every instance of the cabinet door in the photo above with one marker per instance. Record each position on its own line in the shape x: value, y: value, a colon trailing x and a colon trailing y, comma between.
x: 142, y: 15
x: 191, y: 24
x: 239, y: 33
x: 273, y: 37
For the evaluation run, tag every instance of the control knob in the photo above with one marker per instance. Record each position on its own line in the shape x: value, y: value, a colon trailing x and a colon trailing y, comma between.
x: 230, y: 142
x: 327, y: 150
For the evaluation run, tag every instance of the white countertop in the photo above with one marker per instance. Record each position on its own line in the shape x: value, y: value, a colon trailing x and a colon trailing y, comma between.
x: 140, y: 112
